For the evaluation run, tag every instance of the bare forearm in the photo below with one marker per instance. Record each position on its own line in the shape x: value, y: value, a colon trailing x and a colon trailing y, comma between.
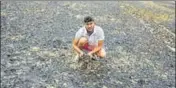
x: 96, y: 49
x: 76, y: 48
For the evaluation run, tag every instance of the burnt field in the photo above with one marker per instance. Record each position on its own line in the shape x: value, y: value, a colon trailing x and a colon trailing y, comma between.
x: 36, y: 44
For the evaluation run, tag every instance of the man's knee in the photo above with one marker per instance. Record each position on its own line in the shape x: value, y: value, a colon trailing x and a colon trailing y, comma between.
x: 102, y: 53
x: 82, y: 41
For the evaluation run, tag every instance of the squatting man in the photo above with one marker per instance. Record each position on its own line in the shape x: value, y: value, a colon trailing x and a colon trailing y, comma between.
x: 89, y: 39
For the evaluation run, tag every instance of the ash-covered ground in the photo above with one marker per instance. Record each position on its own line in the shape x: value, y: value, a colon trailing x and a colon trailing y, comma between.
x: 36, y: 44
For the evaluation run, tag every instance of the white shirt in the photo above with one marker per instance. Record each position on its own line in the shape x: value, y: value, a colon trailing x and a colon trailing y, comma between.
x: 93, y: 39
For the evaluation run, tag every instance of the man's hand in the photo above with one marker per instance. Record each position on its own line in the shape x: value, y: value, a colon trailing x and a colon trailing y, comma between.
x: 90, y: 54
x: 81, y: 54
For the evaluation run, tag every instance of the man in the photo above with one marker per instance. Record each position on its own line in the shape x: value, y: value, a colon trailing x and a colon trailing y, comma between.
x: 89, y: 38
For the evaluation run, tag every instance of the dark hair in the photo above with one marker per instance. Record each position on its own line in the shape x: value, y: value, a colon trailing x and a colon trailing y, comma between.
x: 88, y: 19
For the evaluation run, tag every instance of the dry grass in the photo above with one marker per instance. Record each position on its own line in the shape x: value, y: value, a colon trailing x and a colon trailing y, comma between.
x: 150, y: 14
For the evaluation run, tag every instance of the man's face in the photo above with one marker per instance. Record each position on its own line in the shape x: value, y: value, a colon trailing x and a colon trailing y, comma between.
x: 90, y: 26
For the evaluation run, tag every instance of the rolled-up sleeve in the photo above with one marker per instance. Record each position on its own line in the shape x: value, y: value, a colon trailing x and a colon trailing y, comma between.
x: 101, y: 35
x: 78, y: 34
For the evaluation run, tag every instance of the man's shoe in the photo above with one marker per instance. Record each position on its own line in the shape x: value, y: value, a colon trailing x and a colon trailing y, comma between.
x: 95, y: 57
